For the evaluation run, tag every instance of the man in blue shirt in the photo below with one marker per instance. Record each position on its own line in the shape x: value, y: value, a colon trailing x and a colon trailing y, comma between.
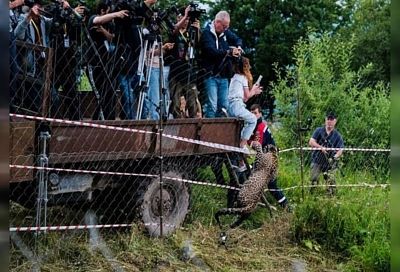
x: 323, y: 160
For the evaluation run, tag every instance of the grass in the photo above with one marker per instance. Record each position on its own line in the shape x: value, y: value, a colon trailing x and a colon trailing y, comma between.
x: 348, y: 232
x: 268, y: 248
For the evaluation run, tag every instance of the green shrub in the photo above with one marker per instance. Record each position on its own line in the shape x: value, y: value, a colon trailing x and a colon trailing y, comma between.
x: 322, y: 80
x: 357, y: 227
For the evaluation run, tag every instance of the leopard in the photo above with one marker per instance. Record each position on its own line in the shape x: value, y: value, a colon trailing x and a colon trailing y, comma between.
x: 264, y: 170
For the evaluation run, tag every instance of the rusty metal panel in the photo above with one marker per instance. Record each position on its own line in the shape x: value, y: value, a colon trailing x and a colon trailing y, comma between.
x: 70, y: 143
x: 21, y: 149
x: 221, y: 131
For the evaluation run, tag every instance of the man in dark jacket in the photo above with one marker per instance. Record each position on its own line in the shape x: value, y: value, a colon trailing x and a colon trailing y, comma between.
x: 218, y: 45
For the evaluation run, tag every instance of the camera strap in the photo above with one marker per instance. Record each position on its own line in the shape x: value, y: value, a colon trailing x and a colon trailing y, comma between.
x: 222, y: 65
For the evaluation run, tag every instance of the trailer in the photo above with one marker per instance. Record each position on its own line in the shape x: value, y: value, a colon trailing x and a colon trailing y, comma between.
x: 87, y: 161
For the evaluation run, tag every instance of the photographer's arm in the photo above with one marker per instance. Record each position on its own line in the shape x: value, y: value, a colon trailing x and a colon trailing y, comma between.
x: 99, y: 20
x: 181, y: 22
x: 108, y: 35
x: 15, y: 4
x: 20, y: 29
x: 339, y: 144
x: 338, y: 154
x: 313, y: 143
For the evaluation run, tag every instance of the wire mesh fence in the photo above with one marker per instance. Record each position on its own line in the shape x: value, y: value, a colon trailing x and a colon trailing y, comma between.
x: 78, y: 160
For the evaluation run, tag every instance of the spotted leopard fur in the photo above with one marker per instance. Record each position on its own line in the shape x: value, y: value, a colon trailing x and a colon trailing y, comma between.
x: 250, y: 194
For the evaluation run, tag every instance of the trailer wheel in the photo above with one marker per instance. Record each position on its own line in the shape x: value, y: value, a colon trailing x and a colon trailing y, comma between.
x: 175, y: 205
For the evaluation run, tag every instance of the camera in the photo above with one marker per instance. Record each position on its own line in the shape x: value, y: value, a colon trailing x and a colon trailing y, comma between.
x: 195, y: 12
x: 160, y: 17
x: 86, y: 11
x: 31, y: 3
x: 137, y: 11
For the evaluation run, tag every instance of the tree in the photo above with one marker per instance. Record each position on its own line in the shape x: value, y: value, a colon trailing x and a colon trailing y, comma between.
x: 369, y: 31
x: 272, y: 28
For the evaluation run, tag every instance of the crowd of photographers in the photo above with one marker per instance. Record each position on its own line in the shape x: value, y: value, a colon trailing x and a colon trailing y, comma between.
x: 125, y: 45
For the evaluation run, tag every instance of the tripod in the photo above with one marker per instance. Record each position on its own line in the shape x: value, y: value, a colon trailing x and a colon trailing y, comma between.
x: 90, y: 73
x: 193, y: 109
x: 153, y: 41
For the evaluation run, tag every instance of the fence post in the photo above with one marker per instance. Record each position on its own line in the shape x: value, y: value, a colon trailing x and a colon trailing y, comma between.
x: 42, y: 180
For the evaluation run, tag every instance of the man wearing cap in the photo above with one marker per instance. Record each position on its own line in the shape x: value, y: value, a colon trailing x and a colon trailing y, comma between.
x: 323, y: 160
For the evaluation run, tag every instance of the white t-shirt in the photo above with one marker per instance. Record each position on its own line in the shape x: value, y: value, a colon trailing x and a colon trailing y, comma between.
x: 236, y: 86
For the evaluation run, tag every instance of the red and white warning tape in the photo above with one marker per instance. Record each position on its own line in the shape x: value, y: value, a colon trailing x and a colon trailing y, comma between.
x: 364, y: 184
x: 183, y: 139
x: 344, y: 149
x: 121, y: 174
x: 94, y: 125
x: 80, y: 227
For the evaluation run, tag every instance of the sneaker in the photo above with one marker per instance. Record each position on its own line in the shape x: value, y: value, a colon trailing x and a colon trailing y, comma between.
x: 224, y: 112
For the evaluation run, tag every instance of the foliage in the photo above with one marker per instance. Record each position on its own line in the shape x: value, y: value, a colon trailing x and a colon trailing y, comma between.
x: 322, y: 80
x: 359, y: 229
x: 272, y: 27
x: 369, y: 31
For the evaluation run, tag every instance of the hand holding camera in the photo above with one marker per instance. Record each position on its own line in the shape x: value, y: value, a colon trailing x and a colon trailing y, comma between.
x: 235, y: 52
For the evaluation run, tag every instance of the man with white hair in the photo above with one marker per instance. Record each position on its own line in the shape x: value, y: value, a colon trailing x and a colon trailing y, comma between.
x: 218, y: 45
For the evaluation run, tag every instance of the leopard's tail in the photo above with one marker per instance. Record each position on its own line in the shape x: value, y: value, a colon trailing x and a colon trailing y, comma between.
x: 227, y: 211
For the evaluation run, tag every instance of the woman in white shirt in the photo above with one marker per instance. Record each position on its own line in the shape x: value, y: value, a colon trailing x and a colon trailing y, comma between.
x: 241, y: 88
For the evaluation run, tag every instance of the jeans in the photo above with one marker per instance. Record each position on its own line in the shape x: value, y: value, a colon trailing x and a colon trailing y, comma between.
x: 153, y: 96
x: 127, y: 98
x: 237, y: 108
x: 217, y: 89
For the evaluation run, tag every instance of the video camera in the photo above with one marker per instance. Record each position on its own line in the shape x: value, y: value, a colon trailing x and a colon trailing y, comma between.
x: 160, y: 17
x: 139, y: 12
x: 195, y: 12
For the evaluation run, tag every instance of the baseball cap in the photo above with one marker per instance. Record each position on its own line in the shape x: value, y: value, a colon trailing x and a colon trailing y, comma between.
x: 330, y: 115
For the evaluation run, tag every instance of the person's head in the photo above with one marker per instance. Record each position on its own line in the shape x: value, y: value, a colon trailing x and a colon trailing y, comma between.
x: 34, y: 11
x: 150, y: 3
x: 330, y: 120
x: 256, y: 110
x: 241, y: 65
x: 221, y: 21
x: 103, y: 7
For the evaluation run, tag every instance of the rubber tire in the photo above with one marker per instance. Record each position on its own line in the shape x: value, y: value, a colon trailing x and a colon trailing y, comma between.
x: 173, y: 219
